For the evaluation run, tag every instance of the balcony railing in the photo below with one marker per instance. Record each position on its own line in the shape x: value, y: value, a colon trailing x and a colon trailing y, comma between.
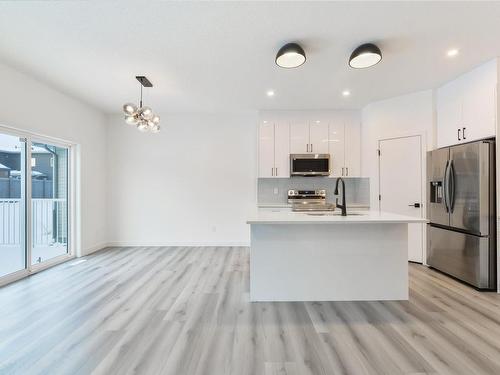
x: 49, y: 222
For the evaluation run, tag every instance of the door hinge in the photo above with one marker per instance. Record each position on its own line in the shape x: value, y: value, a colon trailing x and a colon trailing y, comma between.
x: 378, y: 151
x: 379, y: 197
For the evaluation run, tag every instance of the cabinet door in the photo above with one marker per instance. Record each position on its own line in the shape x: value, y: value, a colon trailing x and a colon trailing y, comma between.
x: 479, y: 107
x: 281, y: 149
x: 336, y: 140
x: 299, y: 137
x: 353, y: 147
x: 318, y: 137
x: 449, y: 113
x: 266, y: 149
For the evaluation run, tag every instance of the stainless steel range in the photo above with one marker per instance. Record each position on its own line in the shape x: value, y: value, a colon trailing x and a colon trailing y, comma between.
x: 309, y: 200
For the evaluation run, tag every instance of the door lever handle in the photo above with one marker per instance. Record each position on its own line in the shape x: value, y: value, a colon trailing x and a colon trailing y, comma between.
x: 416, y: 205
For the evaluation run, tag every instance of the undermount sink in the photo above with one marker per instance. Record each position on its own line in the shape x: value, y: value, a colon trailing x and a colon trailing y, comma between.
x: 334, y: 213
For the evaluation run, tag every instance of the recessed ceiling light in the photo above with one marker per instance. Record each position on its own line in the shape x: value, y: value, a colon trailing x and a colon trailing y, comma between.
x: 265, y: 121
x: 291, y: 55
x: 270, y: 93
x: 365, y: 56
x: 317, y: 121
x: 346, y: 93
x: 452, y: 52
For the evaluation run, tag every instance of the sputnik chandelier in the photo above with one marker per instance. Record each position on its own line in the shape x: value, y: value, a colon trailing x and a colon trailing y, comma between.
x: 142, y: 117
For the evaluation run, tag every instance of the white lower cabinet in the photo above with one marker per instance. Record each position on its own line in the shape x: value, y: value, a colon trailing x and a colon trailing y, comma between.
x: 274, y: 141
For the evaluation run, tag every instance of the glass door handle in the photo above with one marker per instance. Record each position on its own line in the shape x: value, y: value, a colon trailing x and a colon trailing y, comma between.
x: 416, y: 205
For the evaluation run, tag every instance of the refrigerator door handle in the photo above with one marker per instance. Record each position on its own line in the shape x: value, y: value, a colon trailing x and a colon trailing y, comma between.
x: 445, y: 187
x: 451, y: 185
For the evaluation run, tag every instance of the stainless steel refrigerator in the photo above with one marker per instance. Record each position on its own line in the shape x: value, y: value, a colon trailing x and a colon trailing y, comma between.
x: 461, y: 208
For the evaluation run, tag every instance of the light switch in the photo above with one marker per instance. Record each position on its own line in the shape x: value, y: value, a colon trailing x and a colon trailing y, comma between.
x: 275, y: 191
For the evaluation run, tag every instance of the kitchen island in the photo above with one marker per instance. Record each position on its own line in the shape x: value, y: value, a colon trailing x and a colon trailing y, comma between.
x: 297, y: 256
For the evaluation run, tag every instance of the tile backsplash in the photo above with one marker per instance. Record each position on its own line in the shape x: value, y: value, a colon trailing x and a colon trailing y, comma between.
x: 274, y: 190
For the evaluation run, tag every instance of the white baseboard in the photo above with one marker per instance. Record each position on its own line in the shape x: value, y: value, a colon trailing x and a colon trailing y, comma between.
x: 94, y: 248
x: 187, y: 244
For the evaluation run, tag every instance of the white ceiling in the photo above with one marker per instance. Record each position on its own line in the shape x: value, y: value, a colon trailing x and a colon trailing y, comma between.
x: 219, y: 56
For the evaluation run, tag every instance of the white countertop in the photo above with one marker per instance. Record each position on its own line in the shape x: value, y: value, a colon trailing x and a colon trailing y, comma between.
x: 287, y: 216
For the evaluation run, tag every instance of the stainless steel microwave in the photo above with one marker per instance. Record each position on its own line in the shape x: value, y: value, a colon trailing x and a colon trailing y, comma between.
x: 309, y: 164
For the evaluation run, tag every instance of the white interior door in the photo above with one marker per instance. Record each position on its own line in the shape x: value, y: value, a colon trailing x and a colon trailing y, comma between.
x: 400, y: 173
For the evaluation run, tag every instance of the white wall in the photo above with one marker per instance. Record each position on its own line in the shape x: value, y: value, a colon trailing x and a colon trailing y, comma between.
x: 404, y: 115
x: 30, y: 105
x: 191, y: 184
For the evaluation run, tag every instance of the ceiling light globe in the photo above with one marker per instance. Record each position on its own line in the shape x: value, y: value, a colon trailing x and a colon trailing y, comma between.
x: 155, y: 129
x: 143, y: 126
x: 146, y: 113
x: 131, y: 120
x: 155, y: 119
x: 129, y: 109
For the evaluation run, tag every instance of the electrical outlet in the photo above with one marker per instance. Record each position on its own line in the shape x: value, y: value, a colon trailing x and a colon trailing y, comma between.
x: 275, y: 191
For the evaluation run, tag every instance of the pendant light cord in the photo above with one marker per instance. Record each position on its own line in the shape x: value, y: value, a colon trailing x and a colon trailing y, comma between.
x: 140, y: 104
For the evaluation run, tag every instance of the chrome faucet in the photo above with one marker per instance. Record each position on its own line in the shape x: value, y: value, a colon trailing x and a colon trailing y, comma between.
x: 336, y: 192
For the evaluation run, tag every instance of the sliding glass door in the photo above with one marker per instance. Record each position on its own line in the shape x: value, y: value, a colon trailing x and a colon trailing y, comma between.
x: 49, y: 202
x: 34, y: 204
x: 12, y: 204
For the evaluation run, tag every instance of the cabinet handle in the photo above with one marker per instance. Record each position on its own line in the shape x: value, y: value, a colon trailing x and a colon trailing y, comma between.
x: 276, y: 170
x: 463, y: 133
x: 342, y: 171
x: 311, y: 147
x: 272, y: 171
x: 347, y: 171
x: 459, y: 135
x: 307, y: 147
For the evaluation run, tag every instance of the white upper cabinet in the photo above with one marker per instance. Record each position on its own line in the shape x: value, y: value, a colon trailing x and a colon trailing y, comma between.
x: 345, y: 144
x: 299, y: 137
x: 274, y: 149
x: 266, y: 149
x: 281, y: 149
x: 466, y: 107
x: 353, y: 146
x: 318, y: 137
x: 337, y: 133
x: 309, y: 137
x: 336, y: 138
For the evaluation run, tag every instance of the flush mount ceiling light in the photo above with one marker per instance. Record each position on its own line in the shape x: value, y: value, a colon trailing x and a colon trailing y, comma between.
x: 365, y: 56
x: 346, y: 93
x: 452, y: 52
x: 291, y: 55
x: 141, y: 116
x: 270, y: 93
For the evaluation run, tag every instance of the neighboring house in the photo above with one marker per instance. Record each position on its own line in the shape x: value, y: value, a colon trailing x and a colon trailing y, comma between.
x: 4, y: 171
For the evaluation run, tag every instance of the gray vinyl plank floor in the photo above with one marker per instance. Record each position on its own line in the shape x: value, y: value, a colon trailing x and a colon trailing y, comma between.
x: 186, y: 310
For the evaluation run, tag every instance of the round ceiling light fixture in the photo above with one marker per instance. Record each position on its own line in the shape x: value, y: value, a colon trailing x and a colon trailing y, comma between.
x: 291, y: 55
x: 364, y: 56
